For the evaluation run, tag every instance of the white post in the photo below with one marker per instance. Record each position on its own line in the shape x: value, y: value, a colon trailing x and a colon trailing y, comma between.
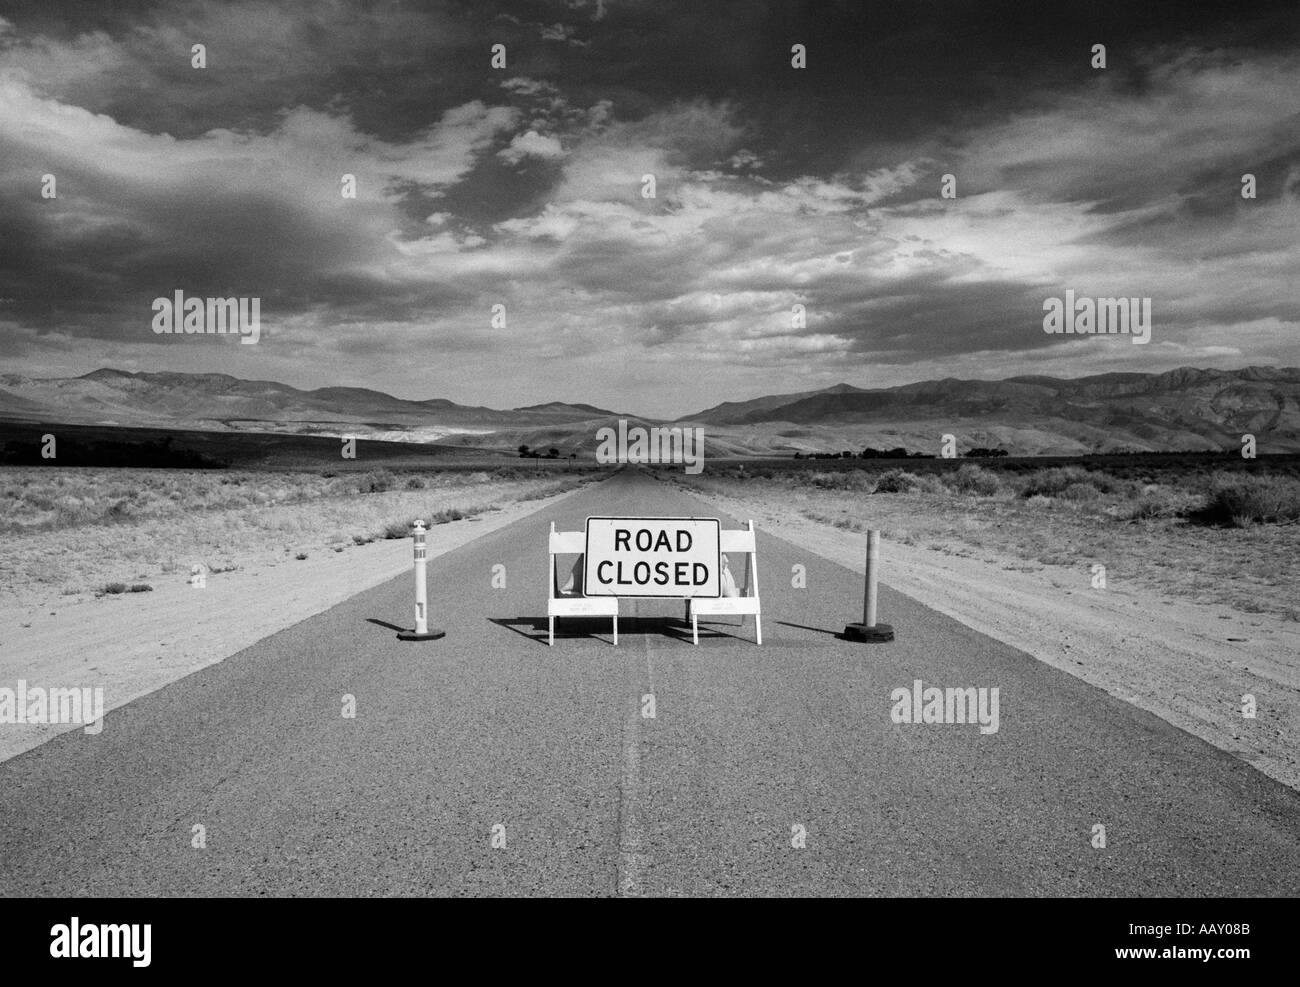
x: 869, y: 630
x: 421, y: 580
x: 422, y: 631
x: 873, y: 560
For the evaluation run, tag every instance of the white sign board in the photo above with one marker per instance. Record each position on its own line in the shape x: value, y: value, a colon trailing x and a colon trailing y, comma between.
x: 654, y: 556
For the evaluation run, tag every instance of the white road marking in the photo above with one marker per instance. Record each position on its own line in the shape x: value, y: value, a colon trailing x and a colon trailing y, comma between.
x: 633, y: 858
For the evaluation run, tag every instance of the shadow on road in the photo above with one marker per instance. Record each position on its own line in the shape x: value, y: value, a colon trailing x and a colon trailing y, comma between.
x: 384, y: 623
x: 535, y: 628
x: 819, y: 630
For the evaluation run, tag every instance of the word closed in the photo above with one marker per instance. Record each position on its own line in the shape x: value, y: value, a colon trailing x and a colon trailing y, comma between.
x: 661, y: 556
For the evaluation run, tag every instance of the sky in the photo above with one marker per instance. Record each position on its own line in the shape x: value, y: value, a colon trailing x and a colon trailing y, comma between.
x: 524, y: 186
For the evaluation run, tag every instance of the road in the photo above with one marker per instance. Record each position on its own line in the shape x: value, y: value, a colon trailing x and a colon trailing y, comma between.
x: 489, y: 727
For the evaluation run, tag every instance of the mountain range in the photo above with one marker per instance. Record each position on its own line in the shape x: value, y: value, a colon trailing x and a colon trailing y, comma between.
x: 1033, y: 415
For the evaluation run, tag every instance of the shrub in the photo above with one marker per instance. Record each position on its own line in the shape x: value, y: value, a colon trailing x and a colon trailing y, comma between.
x: 397, y: 529
x: 377, y: 481
x: 830, y: 481
x: 976, y: 480
x: 1051, y: 482
x: 118, y: 511
x: 897, y: 481
x: 1080, y: 491
x: 1159, y: 502
x: 859, y: 480
x: 1242, y: 499
x: 931, y: 483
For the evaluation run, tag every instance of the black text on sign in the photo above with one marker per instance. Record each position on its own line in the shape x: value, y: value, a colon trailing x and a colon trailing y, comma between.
x: 658, y: 557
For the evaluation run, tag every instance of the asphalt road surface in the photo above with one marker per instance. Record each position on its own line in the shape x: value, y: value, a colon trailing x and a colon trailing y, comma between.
x: 488, y: 731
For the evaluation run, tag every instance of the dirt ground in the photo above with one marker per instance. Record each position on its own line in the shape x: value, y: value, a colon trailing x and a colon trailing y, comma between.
x: 134, y: 643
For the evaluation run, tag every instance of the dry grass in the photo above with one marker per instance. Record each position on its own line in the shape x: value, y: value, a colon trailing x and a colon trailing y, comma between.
x: 70, y: 530
x: 1164, y: 537
x: 43, y: 498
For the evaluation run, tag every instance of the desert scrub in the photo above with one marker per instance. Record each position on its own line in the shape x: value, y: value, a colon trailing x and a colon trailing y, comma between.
x: 445, y: 515
x: 1158, y: 502
x: 1239, y: 500
x: 115, y: 589
x: 897, y: 481
x: 1080, y: 492
x: 34, y: 499
x: 972, y: 479
x: 1052, y: 482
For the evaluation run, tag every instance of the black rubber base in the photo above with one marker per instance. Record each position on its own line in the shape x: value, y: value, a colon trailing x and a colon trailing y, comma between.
x: 432, y: 635
x: 861, y: 632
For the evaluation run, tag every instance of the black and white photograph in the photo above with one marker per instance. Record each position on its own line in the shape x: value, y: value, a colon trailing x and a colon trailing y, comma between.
x: 651, y: 449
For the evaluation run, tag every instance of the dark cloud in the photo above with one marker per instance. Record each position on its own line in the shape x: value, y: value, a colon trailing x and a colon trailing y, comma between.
x: 775, y: 187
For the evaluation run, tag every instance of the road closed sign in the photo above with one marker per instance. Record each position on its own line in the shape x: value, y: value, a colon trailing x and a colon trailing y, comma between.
x: 652, y: 556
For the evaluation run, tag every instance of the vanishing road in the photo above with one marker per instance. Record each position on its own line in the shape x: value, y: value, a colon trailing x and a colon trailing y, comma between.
x: 490, y: 736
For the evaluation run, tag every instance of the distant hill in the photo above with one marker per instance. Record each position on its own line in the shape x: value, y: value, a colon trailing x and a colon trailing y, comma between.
x: 1185, y: 409
x: 1180, y: 409
x: 567, y: 410
x: 220, y: 402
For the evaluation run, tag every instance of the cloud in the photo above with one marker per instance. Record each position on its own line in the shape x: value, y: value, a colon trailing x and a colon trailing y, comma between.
x: 531, y: 144
x: 229, y: 178
x: 523, y: 86
x: 563, y: 32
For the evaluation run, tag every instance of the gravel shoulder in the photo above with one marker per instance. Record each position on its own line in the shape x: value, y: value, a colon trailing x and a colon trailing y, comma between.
x: 135, y: 643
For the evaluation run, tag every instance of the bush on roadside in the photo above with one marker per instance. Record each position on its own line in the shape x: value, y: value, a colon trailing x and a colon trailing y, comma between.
x: 378, y: 481
x: 897, y: 481
x: 1157, y: 502
x: 115, y: 589
x: 975, y: 480
x: 398, y: 529
x: 931, y: 483
x: 1080, y: 492
x: 1240, y: 500
x: 859, y: 480
x: 1051, y: 482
